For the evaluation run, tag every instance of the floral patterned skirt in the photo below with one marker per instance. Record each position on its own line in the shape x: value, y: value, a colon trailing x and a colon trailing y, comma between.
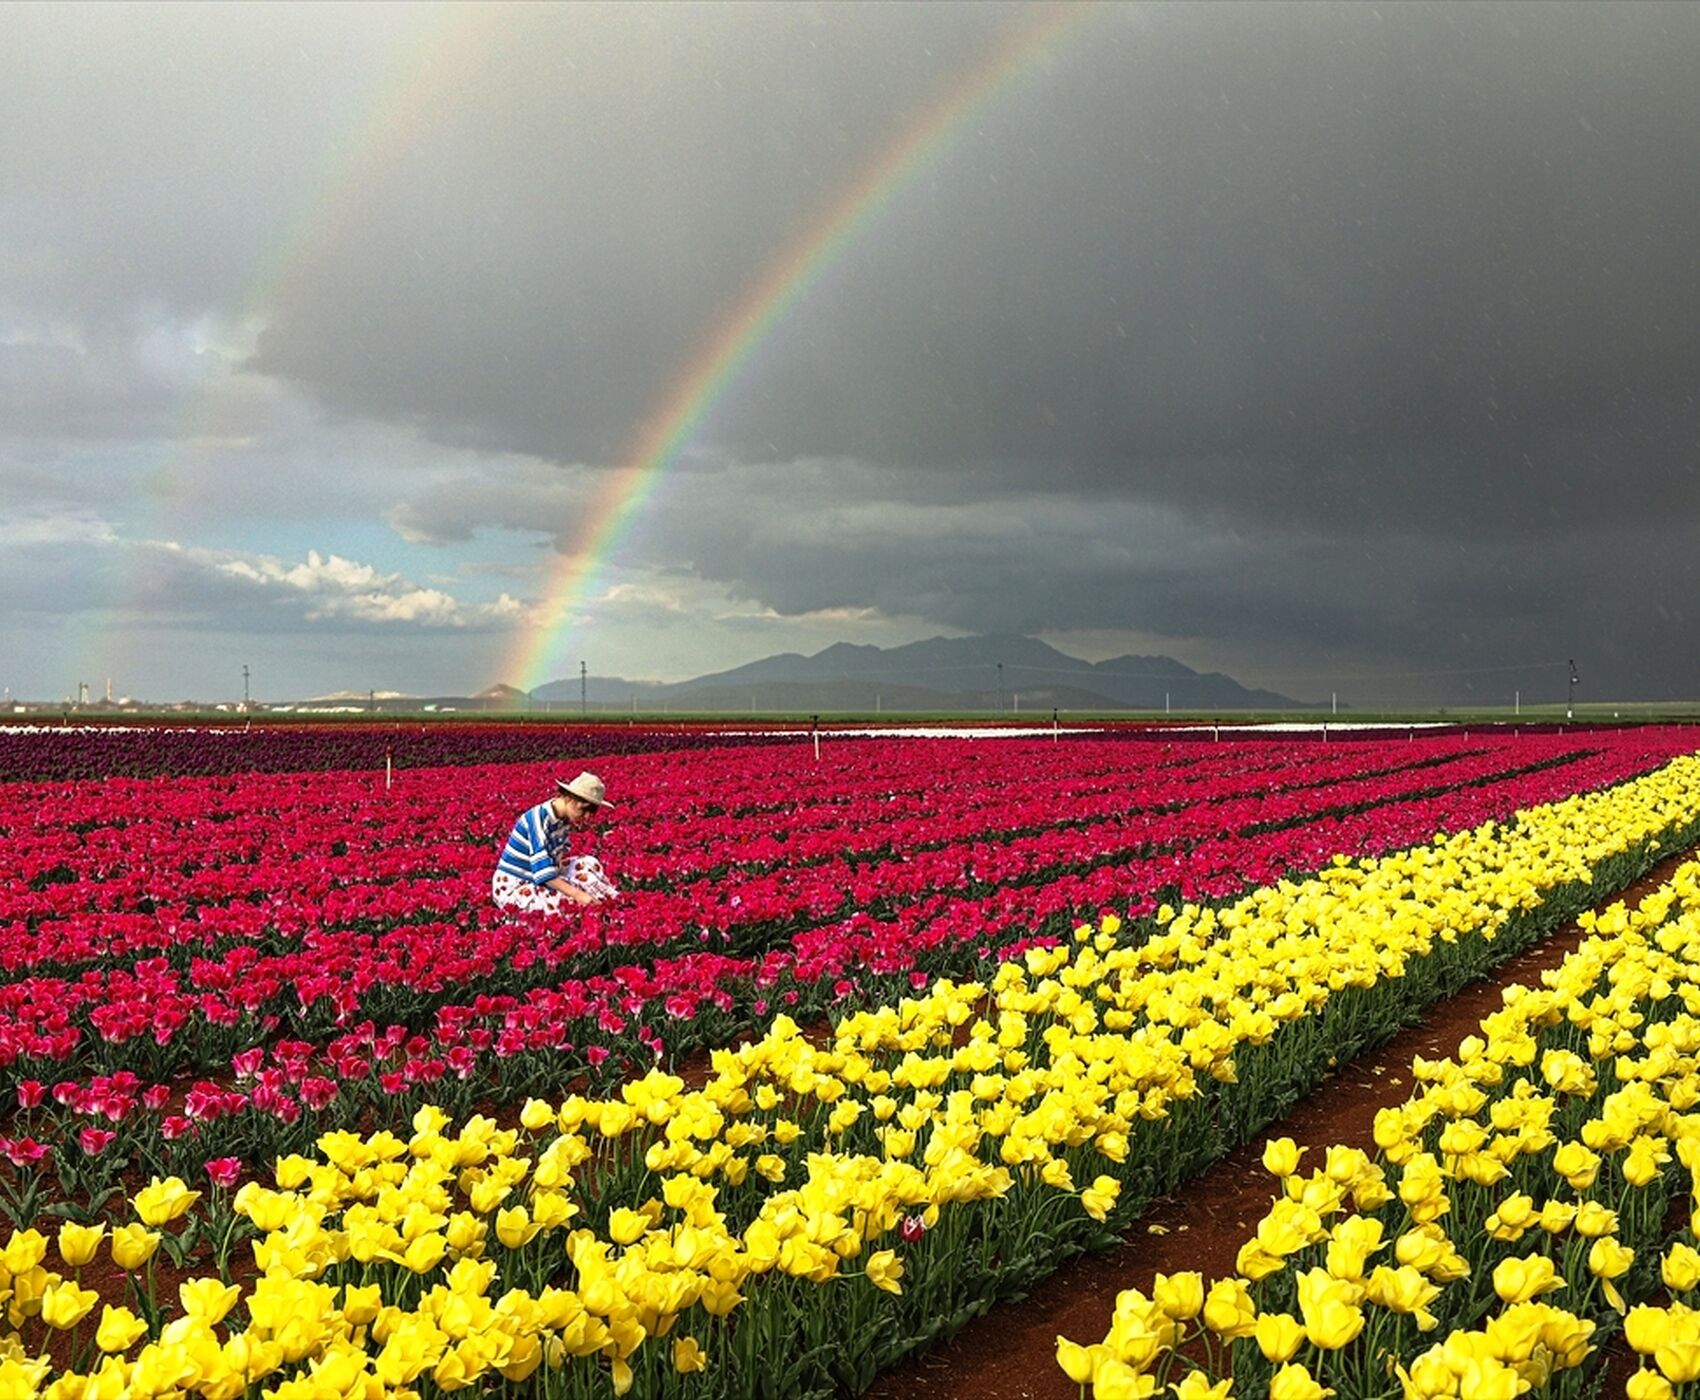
x: 511, y: 892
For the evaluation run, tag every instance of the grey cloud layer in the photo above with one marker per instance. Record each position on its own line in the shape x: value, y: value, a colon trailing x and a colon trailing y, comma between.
x: 1311, y: 331
x: 1364, y: 264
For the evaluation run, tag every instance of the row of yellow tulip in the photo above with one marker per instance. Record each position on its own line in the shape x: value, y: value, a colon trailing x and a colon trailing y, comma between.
x: 1539, y: 1161
x: 815, y: 1209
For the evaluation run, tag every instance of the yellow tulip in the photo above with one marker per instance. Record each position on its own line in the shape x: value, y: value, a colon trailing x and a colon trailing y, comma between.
x: 884, y: 1269
x: 1678, y: 1361
x: 65, y: 1304
x: 1294, y: 1382
x: 536, y: 1115
x: 1179, y: 1296
x: 1577, y: 1165
x: 425, y: 1253
x: 1352, y: 1241
x: 23, y: 1251
x: 1197, y: 1386
x: 1644, y: 1328
x: 1329, y: 1306
x: 407, y: 1353
x: 1518, y: 1280
x: 1608, y: 1259
x: 119, y: 1330
x: 161, y: 1202
x: 1430, y: 1378
x: 360, y: 1305
x: 1642, y: 1163
x: 1229, y: 1311
x: 627, y: 1226
x: 208, y: 1299
x: 1099, y: 1198
x: 133, y: 1245
x: 1281, y: 1157
x: 1078, y: 1363
x: 464, y: 1233
x: 1648, y: 1385
x: 515, y: 1228
x: 23, y: 1378
x: 78, y: 1243
x: 1403, y: 1290
x: 1118, y: 1381
x: 1681, y: 1267
x: 1594, y: 1220
x: 1486, y: 1378
x: 688, y: 1356
x: 1254, y: 1262
x: 1279, y: 1336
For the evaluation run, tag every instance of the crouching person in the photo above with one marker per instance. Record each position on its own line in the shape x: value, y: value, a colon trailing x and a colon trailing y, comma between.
x: 537, y: 872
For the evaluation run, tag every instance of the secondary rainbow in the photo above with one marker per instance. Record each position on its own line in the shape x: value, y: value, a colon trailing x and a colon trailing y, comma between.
x: 434, y: 67
x: 784, y: 282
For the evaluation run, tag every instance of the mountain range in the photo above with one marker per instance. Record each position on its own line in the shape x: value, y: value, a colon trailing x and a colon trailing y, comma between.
x: 1005, y: 674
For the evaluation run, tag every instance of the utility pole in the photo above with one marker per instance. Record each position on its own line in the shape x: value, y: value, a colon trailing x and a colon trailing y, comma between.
x: 583, y: 691
x: 1000, y: 687
x: 244, y: 685
x: 1570, y: 700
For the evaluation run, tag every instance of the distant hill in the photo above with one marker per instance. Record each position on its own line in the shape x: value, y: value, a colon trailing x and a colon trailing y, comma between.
x: 944, y: 673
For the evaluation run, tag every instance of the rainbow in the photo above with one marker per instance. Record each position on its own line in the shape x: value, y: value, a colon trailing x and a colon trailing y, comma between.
x: 784, y: 282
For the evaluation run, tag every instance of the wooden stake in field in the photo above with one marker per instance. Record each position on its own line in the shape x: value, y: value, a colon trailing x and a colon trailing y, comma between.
x: 388, y: 769
x: 814, y: 729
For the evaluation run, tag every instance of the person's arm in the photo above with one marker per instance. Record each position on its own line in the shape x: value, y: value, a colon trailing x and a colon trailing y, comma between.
x: 572, y: 891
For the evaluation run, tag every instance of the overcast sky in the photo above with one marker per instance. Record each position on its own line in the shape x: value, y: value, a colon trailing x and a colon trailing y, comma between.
x: 1341, y: 347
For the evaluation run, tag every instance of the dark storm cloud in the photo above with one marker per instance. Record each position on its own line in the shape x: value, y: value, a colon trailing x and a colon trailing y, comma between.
x: 1373, y: 266
x: 153, y: 155
x: 1404, y: 615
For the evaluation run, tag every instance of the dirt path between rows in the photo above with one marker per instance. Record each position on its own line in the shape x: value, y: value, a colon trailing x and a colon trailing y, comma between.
x: 1010, y: 1353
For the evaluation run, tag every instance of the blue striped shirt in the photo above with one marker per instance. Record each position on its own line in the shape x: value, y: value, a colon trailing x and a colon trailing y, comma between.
x: 537, y: 846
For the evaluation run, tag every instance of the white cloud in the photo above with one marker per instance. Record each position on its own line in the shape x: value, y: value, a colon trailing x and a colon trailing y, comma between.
x: 332, y: 588
x: 642, y: 595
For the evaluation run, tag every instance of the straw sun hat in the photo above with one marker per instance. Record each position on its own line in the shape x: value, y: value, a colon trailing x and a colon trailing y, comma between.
x: 587, y: 787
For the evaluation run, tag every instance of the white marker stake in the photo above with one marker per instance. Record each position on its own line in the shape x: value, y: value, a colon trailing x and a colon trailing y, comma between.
x: 387, y: 771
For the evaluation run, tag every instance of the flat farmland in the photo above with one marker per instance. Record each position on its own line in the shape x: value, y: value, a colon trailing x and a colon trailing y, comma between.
x: 868, y: 1041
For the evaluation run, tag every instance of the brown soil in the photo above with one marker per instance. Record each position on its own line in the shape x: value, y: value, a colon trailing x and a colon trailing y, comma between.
x: 1010, y: 1353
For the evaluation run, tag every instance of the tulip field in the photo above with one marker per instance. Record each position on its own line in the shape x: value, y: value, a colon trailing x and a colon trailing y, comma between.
x: 870, y: 1041
x: 1520, y: 1201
